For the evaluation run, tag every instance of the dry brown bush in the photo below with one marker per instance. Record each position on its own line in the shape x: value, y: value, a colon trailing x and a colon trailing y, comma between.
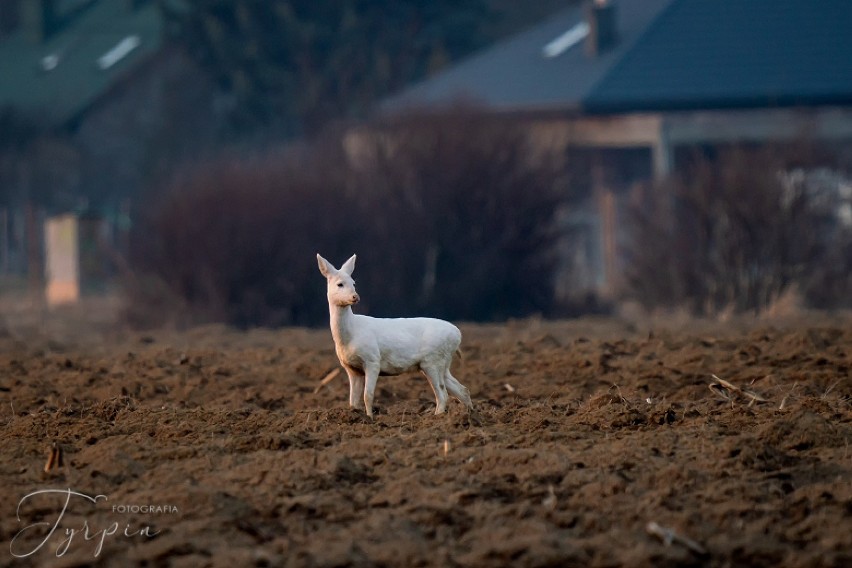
x: 462, y: 214
x: 734, y: 232
x: 447, y: 212
x: 234, y: 241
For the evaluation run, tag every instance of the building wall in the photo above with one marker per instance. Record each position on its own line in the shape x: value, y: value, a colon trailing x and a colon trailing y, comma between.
x: 621, y: 155
x: 162, y: 115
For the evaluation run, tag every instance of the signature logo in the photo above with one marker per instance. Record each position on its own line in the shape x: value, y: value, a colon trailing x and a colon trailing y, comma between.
x: 36, y: 536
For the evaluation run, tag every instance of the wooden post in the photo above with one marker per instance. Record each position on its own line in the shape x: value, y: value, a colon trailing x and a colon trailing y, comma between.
x: 661, y: 153
x: 606, y: 212
x: 610, y: 249
x: 62, y: 259
x: 35, y: 282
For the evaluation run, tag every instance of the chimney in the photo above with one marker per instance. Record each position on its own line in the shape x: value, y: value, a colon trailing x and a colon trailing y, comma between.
x: 39, y: 19
x: 601, y: 16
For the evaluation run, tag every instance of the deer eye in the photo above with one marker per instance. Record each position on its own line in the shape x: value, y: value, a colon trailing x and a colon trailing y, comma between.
x: 340, y: 284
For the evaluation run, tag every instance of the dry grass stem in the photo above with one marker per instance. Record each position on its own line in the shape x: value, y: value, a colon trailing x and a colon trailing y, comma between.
x: 719, y: 391
x: 550, y: 501
x: 327, y: 379
x: 786, y: 396
x: 509, y: 387
x: 670, y: 536
x: 724, y: 389
x: 831, y: 388
x: 621, y: 396
x: 54, y: 458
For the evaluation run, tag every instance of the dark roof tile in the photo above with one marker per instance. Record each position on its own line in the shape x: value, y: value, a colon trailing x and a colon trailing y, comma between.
x: 672, y: 54
x: 514, y: 73
x: 710, y: 53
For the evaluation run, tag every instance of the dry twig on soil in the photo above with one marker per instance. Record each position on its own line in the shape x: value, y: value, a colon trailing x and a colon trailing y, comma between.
x: 670, y: 536
x: 550, y: 501
x: 54, y: 458
x: 726, y: 389
x: 327, y: 379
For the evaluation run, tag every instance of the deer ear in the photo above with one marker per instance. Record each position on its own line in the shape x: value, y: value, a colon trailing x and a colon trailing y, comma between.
x: 325, y: 267
x: 348, y: 266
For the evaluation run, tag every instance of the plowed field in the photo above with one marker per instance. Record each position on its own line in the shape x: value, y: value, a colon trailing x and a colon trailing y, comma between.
x: 211, y: 448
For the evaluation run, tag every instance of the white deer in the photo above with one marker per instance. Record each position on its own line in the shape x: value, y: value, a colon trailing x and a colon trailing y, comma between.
x: 368, y: 347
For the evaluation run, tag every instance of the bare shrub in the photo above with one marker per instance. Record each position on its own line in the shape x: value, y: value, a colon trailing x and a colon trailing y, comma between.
x: 462, y: 211
x: 828, y: 283
x: 728, y: 233
x: 448, y: 213
x: 234, y: 241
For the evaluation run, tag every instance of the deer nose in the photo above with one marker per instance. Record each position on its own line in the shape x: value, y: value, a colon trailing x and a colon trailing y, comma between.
x: 356, y: 298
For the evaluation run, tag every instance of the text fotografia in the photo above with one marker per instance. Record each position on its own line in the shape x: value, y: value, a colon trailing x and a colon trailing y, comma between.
x: 145, y: 509
x: 55, y: 531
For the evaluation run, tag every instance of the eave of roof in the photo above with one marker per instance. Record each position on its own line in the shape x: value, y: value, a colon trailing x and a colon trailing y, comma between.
x: 59, y: 96
x: 672, y: 55
x: 514, y: 75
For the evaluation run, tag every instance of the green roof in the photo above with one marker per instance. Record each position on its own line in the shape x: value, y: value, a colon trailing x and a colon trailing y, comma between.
x: 62, y: 94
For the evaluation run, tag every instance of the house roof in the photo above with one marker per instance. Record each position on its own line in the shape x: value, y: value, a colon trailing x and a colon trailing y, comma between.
x: 671, y: 54
x: 735, y: 54
x: 64, y: 92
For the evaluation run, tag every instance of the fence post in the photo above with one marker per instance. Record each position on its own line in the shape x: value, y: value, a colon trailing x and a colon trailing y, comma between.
x: 35, y: 282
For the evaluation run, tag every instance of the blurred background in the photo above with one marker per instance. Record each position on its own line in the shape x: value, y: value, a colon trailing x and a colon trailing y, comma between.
x: 487, y: 159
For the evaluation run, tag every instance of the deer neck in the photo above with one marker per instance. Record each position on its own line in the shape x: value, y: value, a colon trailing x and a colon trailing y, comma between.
x: 342, y: 323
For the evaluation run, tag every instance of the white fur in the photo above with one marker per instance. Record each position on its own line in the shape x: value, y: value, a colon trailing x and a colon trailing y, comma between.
x: 368, y: 347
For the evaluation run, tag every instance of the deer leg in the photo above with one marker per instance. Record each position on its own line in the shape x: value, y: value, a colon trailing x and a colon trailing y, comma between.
x: 458, y: 390
x: 371, y: 374
x: 435, y: 376
x: 356, y: 388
